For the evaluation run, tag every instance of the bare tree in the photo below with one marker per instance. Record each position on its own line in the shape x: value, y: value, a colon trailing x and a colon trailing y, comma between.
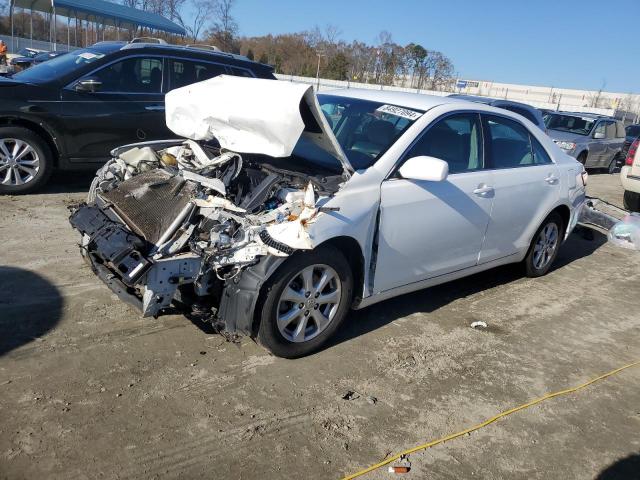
x: 196, y: 24
x: 226, y: 23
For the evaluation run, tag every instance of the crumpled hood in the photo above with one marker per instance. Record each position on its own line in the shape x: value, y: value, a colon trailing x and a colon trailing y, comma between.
x: 250, y: 115
x: 567, y: 136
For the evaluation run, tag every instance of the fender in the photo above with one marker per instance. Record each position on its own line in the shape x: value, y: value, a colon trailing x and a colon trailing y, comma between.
x: 43, y: 129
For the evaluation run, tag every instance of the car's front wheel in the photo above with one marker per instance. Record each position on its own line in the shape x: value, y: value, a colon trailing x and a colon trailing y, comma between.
x: 544, y: 246
x: 305, y: 302
x: 25, y: 161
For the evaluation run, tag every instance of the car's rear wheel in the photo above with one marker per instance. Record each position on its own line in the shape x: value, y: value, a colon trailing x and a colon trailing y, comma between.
x: 631, y: 201
x: 305, y: 302
x: 544, y: 246
x: 25, y: 161
x: 613, y: 165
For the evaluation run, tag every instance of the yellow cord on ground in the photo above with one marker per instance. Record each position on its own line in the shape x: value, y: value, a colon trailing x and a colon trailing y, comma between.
x: 424, y: 446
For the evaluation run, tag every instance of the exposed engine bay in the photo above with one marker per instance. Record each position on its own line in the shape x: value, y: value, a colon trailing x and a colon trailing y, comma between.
x: 172, y: 224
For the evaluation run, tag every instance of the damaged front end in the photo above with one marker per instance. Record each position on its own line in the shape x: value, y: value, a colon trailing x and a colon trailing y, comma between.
x: 199, y: 223
x: 184, y: 224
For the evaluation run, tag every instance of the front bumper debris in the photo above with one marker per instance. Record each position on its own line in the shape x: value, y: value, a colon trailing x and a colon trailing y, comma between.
x: 117, y: 256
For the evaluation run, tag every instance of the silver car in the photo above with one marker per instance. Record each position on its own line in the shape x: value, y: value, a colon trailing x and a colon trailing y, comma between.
x: 309, y: 206
x: 594, y: 140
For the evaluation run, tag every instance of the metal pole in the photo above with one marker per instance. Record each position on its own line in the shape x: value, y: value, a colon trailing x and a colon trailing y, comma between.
x: 320, y: 54
x: 68, y: 34
x: 55, y: 33
x: 31, y: 28
x: 13, y: 48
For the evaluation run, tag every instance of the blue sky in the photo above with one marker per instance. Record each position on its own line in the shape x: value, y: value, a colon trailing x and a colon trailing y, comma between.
x: 561, y: 43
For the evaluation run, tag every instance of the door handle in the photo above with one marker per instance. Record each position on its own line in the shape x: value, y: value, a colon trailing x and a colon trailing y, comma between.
x: 551, y: 179
x: 483, y: 190
x: 155, y: 108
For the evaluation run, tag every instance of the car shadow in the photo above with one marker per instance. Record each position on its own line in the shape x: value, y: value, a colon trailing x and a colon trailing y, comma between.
x: 582, y: 243
x: 627, y: 468
x: 30, y: 306
x: 68, y: 182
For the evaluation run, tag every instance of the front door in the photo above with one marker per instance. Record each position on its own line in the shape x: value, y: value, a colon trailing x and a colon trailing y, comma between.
x: 127, y: 107
x: 429, y: 229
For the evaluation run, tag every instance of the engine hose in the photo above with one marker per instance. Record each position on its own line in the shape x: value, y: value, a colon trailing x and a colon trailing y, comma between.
x: 433, y: 443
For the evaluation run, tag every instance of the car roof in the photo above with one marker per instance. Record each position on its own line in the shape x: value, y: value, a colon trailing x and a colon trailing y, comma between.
x: 595, y: 116
x: 491, y: 101
x: 418, y: 101
x: 184, y: 48
x: 108, y: 47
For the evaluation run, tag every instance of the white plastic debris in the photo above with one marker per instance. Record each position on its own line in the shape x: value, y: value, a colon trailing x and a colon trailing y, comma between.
x: 479, y: 324
x: 626, y: 233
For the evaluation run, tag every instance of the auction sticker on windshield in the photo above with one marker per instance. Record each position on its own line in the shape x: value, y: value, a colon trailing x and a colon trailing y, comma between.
x: 399, y: 112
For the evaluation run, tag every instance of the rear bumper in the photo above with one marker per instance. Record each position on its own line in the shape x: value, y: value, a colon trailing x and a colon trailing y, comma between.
x: 629, y: 182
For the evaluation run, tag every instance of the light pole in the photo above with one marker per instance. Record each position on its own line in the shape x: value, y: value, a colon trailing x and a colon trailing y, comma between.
x: 320, y: 54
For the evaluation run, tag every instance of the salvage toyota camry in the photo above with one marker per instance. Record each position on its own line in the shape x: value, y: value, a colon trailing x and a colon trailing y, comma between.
x: 276, y: 211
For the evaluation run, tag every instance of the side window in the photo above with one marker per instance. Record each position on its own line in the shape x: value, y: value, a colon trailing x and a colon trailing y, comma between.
x: 525, y: 113
x: 620, y: 131
x: 241, y: 72
x: 185, y: 72
x: 132, y: 75
x: 456, y: 139
x: 600, y: 128
x: 611, y: 129
x: 540, y: 155
x: 509, y: 143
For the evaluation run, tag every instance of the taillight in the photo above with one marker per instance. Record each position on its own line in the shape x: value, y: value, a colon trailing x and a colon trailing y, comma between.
x: 632, y: 152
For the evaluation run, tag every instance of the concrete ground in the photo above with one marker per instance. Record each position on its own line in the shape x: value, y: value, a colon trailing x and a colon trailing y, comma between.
x: 90, y: 390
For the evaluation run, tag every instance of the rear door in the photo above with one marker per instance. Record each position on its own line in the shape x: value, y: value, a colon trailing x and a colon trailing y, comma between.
x: 127, y: 107
x: 526, y: 184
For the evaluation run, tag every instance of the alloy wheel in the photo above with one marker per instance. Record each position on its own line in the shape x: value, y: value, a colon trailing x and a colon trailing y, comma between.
x: 309, y: 303
x: 545, y: 246
x: 19, y: 162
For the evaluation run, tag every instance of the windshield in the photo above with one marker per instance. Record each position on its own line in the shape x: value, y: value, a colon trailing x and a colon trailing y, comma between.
x: 365, y: 129
x: 25, y: 52
x: 569, y: 123
x: 633, y: 131
x: 58, y: 66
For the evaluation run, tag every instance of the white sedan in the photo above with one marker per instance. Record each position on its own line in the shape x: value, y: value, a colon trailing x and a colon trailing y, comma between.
x: 309, y: 206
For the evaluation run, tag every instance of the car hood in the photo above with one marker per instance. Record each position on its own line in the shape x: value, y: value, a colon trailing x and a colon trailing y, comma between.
x: 251, y: 115
x: 566, y: 136
x: 9, y: 82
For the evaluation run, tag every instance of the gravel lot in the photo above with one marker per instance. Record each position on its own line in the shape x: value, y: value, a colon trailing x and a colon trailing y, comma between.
x: 88, y: 389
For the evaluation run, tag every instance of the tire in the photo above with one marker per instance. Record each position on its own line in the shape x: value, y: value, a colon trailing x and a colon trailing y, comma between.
x: 611, y: 169
x: 304, y: 327
x: 582, y: 158
x: 535, y: 266
x: 34, y: 166
x: 631, y: 201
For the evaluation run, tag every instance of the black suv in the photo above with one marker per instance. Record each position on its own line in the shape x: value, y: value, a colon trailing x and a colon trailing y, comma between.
x: 69, y: 112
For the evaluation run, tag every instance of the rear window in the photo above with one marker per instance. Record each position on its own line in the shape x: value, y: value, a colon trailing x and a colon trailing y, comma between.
x: 633, y: 131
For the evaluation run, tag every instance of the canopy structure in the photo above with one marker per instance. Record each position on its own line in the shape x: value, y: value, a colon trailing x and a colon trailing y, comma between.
x: 98, y: 11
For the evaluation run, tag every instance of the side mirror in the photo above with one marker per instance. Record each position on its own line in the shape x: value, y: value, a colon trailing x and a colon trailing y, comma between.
x: 598, y: 135
x: 88, y: 85
x: 430, y: 169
